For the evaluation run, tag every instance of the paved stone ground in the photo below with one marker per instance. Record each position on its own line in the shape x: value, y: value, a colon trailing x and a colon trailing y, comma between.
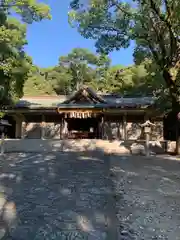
x: 92, y: 196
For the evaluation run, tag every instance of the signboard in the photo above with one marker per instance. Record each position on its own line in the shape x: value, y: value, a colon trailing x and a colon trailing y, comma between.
x: 147, y: 129
x: 79, y: 113
x: 60, y: 110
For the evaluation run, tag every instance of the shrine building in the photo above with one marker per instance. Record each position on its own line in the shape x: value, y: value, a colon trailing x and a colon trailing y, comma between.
x: 85, y: 114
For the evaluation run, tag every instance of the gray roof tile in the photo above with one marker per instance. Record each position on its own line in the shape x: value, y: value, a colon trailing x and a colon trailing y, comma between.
x: 108, y: 100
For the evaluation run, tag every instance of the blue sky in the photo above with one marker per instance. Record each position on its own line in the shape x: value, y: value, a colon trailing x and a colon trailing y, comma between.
x: 48, y: 40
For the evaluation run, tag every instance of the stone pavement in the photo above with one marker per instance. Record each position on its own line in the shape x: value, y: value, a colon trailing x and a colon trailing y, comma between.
x: 92, y: 196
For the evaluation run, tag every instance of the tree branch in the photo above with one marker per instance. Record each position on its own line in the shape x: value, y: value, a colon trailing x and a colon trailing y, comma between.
x: 168, y: 9
x: 173, y: 40
x: 155, y: 54
x: 115, y: 3
x: 160, y: 40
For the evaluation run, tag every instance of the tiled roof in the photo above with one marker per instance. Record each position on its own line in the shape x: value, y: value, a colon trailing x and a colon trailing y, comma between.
x: 117, y: 102
x: 43, y: 101
x: 130, y: 101
x: 86, y: 93
x: 108, y: 100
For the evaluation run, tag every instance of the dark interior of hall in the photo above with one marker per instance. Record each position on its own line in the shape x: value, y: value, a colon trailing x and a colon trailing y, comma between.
x: 83, y: 127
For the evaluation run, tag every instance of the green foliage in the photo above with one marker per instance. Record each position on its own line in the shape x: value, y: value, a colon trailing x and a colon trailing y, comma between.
x: 79, y: 67
x: 153, y: 25
x: 84, y: 66
x: 28, y: 10
x: 36, y: 84
x: 135, y: 80
x: 96, y: 72
x: 14, y: 63
x: 2, y: 114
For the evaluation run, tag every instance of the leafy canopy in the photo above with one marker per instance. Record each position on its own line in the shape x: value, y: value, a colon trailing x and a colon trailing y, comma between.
x: 14, y: 62
x: 152, y: 24
x: 141, y: 80
x: 114, y: 23
x: 84, y: 66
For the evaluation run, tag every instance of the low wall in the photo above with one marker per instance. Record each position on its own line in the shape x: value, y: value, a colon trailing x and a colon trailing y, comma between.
x: 50, y: 145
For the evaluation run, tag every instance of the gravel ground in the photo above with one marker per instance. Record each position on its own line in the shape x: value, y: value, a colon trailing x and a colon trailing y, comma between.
x: 91, y: 196
x: 59, y: 196
x: 148, y: 197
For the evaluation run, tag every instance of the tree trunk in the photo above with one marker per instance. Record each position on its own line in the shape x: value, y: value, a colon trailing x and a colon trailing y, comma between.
x: 176, y: 110
x: 177, y: 150
x: 173, y: 90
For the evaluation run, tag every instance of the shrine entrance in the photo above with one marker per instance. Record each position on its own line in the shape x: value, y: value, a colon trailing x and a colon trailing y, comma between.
x: 83, y: 128
x: 81, y: 115
x: 81, y: 125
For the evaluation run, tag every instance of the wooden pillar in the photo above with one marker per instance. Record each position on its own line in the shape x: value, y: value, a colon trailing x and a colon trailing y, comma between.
x: 99, y: 129
x: 119, y: 137
x: 23, y: 129
x: 61, y: 128
x: 124, y: 122
x: 2, y: 143
x: 43, y: 127
x: 66, y: 128
x: 102, y: 127
x: 64, y: 131
x: 147, y: 144
x: 146, y: 118
x: 18, y: 128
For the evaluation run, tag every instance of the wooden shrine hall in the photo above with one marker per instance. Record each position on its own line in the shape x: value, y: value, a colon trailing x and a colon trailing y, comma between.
x: 85, y: 114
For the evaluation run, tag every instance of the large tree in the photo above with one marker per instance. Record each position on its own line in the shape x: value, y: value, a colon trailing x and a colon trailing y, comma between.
x: 84, y: 66
x: 14, y: 63
x: 37, y: 84
x: 152, y: 24
x: 79, y: 67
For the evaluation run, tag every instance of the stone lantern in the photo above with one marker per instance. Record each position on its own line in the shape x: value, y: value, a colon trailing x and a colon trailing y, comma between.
x: 3, y: 127
x: 147, y: 130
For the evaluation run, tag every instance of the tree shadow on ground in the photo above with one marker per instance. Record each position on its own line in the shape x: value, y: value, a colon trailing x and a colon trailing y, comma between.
x: 91, y: 195
x: 59, y: 195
